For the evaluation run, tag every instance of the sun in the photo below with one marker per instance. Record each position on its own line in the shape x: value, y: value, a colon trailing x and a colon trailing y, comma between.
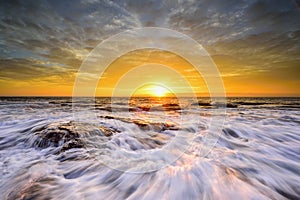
x: 152, y: 90
x: 157, y: 91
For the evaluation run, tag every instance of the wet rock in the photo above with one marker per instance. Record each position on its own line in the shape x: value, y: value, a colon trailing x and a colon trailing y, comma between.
x: 201, y: 104
x: 250, y: 103
x: 144, y: 108
x: 155, y: 141
x: 230, y: 105
x: 68, y: 135
x: 159, y: 107
x: 76, y: 143
x: 230, y: 132
x: 132, y: 109
x: 31, y: 188
x: 215, y: 104
x: 108, y: 117
x: 224, y: 105
x: 108, y: 131
x: 171, y: 107
x: 146, y: 125
x: 104, y: 108
x: 54, y: 135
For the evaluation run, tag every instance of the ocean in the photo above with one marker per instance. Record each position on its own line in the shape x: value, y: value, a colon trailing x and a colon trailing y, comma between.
x: 149, y: 148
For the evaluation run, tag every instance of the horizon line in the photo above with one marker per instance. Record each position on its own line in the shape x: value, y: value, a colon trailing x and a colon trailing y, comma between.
x: 3, y: 96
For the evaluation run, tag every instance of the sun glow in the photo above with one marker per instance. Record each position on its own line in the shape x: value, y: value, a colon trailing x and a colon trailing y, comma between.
x: 153, y: 90
x: 158, y: 91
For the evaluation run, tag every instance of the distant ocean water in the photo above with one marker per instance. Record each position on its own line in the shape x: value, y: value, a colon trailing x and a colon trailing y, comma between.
x: 46, y: 153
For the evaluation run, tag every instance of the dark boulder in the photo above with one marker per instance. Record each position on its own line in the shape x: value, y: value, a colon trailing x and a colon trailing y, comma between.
x: 68, y: 135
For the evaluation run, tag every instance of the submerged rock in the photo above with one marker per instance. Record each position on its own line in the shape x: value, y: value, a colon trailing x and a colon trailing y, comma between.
x: 231, y: 133
x: 56, y: 135
x: 155, y: 141
x: 146, y: 125
x: 68, y: 135
x: 204, y: 104
x: 108, y: 131
x: 163, y: 107
x: 215, y: 104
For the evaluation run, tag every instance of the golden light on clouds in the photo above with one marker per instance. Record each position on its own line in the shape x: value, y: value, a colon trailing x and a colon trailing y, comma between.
x: 158, y: 67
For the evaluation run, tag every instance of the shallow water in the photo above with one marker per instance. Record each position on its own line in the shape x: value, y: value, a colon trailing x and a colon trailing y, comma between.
x: 49, y: 150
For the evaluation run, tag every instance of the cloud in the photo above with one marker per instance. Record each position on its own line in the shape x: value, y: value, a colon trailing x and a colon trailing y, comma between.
x: 41, y: 39
x: 25, y: 69
x: 40, y: 35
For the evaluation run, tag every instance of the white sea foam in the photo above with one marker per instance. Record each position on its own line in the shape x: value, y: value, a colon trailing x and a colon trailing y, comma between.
x: 256, y: 156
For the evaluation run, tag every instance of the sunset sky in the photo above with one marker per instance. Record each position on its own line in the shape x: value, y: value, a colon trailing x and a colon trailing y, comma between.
x: 255, y: 44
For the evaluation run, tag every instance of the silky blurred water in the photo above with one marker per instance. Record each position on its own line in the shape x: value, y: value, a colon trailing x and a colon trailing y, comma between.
x: 46, y: 153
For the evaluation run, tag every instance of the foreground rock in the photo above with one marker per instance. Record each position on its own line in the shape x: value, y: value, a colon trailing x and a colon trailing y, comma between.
x: 68, y: 135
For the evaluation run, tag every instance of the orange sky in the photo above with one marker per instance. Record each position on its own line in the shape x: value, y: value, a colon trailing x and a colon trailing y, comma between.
x: 135, y: 69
